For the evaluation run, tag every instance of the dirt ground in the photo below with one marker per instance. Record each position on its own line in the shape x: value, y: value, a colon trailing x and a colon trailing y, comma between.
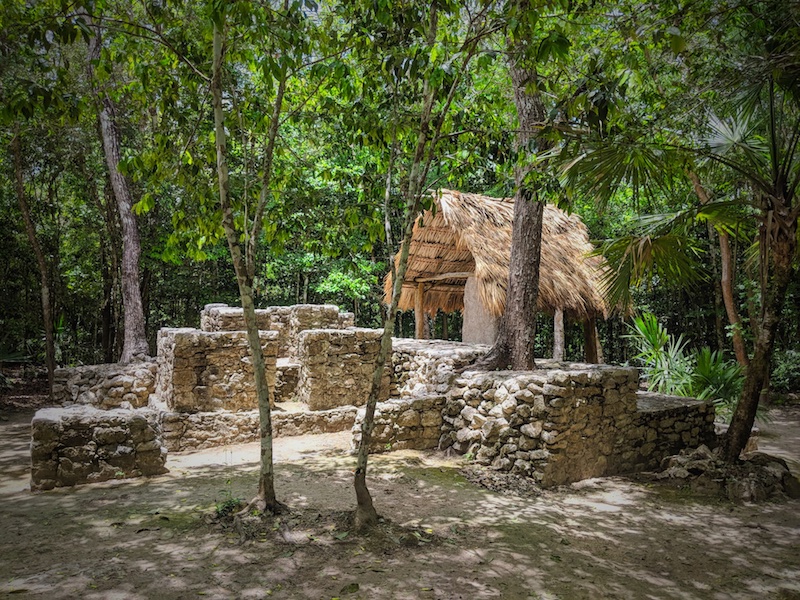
x: 602, y: 538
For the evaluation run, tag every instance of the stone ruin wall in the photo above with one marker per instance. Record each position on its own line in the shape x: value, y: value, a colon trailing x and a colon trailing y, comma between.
x: 404, y: 424
x: 114, y: 385
x: 422, y: 367
x: 560, y: 426
x: 664, y: 426
x: 288, y: 321
x: 336, y: 367
x: 183, y: 432
x: 202, y: 371
x: 82, y: 444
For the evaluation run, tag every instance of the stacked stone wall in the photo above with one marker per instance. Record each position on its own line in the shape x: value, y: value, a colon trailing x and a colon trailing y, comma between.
x: 115, y: 385
x: 221, y: 317
x: 560, y: 426
x: 664, y: 426
x: 336, y: 367
x: 205, y: 371
x: 404, y: 424
x: 422, y: 367
x: 286, y: 380
x: 182, y: 432
x: 83, y: 444
x: 287, y: 321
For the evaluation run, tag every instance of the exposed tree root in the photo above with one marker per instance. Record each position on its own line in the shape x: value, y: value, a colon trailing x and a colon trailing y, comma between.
x: 260, y: 504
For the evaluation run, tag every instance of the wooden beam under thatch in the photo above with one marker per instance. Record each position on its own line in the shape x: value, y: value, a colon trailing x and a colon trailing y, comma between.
x: 470, y: 233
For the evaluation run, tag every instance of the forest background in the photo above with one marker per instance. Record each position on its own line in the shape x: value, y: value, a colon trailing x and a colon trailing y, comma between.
x: 652, y: 110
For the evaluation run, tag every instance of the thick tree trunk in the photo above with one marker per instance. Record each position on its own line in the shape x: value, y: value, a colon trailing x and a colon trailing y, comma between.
x: 517, y: 331
x: 41, y: 263
x: 558, y: 335
x: 782, y: 244
x: 135, y: 342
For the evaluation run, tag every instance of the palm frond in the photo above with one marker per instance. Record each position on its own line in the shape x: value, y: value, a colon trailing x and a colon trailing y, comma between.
x: 600, y: 171
x: 670, y: 259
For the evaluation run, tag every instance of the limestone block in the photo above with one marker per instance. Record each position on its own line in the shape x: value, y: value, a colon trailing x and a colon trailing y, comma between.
x: 331, y: 371
x: 81, y: 444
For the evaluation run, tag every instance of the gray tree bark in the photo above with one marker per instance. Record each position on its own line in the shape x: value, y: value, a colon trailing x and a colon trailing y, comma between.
x: 135, y: 339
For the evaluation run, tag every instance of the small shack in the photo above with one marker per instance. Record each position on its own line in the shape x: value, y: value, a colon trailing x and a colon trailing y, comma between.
x: 459, y: 259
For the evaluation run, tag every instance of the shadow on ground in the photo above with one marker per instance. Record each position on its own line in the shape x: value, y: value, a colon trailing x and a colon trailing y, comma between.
x: 609, y: 538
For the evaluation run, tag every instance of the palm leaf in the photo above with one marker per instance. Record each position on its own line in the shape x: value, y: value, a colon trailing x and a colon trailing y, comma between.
x: 632, y: 260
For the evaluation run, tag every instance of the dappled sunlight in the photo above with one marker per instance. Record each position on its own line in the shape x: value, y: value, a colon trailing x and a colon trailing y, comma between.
x: 602, y: 538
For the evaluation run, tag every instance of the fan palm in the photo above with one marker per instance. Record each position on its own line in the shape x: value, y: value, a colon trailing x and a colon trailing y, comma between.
x: 757, y: 141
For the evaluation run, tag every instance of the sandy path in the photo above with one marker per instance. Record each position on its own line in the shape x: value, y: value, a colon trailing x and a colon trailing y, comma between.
x: 609, y: 538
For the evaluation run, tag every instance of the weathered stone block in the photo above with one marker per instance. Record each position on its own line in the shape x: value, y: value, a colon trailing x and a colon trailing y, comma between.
x: 108, y: 450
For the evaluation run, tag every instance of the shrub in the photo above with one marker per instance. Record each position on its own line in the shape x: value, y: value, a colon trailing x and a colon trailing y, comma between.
x: 786, y: 372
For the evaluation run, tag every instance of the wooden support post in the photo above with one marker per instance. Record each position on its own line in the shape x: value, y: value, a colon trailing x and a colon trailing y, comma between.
x: 419, y: 312
x: 445, y: 333
x: 590, y: 341
x: 558, y: 335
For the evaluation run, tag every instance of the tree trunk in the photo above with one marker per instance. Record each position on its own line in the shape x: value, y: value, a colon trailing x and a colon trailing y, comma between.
x: 41, y: 262
x: 419, y: 312
x: 590, y: 344
x: 719, y: 327
x: 517, y: 331
x: 427, y: 138
x: 265, y: 499
x: 135, y: 342
x: 726, y: 279
x: 782, y: 243
x: 558, y: 335
x: 366, y: 515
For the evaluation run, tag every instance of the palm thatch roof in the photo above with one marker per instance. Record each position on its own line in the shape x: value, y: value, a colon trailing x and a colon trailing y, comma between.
x: 471, y: 234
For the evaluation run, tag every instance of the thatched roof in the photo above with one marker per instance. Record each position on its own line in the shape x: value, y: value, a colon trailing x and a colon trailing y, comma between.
x: 472, y: 234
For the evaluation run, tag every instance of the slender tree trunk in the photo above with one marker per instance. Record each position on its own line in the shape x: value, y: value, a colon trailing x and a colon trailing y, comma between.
x: 726, y: 280
x: 558, y: 335
x: 41, y: 262
x: 427, y: 137
x: 782, y: 243
x: 366, y: 515
x: 719, y: 327
x: 517, y: 331
x: 265, y: 499
x: 135, y: 341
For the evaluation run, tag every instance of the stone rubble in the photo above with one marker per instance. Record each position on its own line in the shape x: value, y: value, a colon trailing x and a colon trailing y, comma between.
x: 758, y: 478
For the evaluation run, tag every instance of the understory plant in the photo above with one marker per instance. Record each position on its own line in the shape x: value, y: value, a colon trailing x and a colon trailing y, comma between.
x: 670, y: 368
x: 786, y: 372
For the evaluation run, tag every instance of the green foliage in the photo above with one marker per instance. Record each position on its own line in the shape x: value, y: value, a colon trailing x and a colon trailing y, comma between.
x: 786, y: 372
x: 671, y: 369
